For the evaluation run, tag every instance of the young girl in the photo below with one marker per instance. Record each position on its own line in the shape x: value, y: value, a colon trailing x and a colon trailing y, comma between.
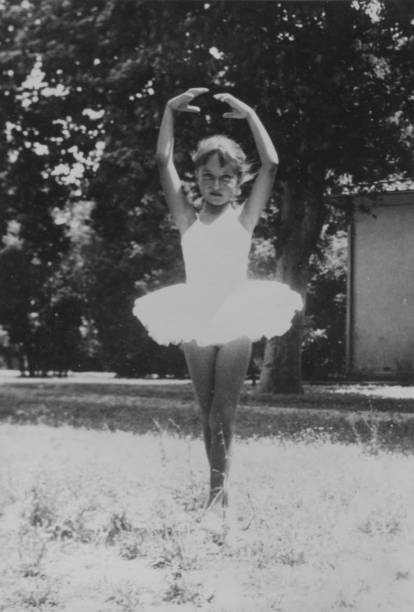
x: 217, y: 313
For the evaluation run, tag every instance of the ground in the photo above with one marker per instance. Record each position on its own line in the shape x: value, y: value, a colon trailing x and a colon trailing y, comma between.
x: 102, y: 485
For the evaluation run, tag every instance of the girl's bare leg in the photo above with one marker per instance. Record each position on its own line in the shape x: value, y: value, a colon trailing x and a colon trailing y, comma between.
x: 201, y: 365
x: 231, y: 366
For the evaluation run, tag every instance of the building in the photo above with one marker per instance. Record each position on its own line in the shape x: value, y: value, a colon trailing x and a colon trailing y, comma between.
x: 380, y: 325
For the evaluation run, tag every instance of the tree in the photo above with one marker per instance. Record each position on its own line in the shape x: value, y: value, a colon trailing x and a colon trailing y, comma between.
x: 325, y: 324
x: 32, y: 145
x: 332, y: 82
x: 15, y: 293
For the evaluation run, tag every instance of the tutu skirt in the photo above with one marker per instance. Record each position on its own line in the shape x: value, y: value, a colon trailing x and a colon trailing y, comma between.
x: 182, y: 312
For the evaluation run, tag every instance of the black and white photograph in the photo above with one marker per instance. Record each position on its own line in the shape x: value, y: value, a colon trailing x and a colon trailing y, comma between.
x: 206, y: 306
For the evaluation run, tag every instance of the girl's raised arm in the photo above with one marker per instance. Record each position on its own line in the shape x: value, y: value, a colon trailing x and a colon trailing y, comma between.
x: 182, y: 213
x: 262, y: 186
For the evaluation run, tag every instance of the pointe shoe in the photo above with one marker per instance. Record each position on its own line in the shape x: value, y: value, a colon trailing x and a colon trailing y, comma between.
x: 213, y: 520
x: 235, y: 527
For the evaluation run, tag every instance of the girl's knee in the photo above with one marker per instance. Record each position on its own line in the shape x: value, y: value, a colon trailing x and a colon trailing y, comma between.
x: 221, y: 420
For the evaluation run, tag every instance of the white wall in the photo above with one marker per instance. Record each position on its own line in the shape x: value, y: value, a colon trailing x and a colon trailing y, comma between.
x: 382, y: 287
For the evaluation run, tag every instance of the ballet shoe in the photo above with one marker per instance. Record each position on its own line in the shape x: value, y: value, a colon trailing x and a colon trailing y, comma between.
x: 235, y: 527
x: 213, y: 522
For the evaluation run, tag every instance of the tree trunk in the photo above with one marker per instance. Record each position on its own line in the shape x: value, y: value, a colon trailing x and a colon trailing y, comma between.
x: 301, y: 214
x: 282, y: 367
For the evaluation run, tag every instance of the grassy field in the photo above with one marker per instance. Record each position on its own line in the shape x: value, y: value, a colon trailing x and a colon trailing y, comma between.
x: 102, y: 489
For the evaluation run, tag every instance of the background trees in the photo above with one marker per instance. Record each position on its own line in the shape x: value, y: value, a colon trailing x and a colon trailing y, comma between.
x: 332, y: 82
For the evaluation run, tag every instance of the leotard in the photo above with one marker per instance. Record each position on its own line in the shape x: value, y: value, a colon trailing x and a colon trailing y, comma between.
x: 217, y: 303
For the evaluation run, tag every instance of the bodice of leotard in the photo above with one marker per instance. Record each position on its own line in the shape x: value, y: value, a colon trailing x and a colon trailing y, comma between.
x: 216, y: 255
x: 217, y: 304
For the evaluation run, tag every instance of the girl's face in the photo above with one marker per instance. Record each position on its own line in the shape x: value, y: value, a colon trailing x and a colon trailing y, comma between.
x: 218, y: 184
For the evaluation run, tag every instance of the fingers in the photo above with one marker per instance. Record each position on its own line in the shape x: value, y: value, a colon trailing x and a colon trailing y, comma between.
x: 190, y: 109
x: 234, y: 115
x: 239, y: 110
x: 188, y: 96
x: 182, y: 102
x: 223, y: 97
x: 197, y: 91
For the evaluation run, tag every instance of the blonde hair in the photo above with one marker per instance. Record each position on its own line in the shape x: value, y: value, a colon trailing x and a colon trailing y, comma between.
x: 228, y: 152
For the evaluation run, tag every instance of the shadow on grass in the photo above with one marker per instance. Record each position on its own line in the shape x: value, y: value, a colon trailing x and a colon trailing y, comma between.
x: 375, y: 422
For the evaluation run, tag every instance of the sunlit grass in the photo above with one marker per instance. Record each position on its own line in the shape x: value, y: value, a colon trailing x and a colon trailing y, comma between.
x: 110, y: 521
x: 347, y: 414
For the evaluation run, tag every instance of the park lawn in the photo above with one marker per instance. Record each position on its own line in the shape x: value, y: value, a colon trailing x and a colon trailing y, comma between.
x: 102, y: 489
x: 346, y: 414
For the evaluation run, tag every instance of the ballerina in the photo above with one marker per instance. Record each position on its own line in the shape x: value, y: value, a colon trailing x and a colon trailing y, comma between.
x: 218, y: 312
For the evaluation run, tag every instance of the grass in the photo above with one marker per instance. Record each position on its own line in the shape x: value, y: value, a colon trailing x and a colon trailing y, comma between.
x: 102, y: 489
x: 346, y: 415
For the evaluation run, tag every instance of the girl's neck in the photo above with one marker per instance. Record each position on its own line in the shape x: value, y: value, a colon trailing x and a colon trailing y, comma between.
x: 210, y: 212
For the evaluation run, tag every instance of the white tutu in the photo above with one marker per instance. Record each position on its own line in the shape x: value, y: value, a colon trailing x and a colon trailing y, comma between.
x: 217, y: 304
x: 256, y: 308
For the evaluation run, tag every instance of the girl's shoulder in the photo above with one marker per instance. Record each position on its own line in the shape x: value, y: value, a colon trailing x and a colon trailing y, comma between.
x: 238, y: 214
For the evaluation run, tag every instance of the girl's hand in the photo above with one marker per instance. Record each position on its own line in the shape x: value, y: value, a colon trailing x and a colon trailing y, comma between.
x: 182, y: 102
x: 240, y: 110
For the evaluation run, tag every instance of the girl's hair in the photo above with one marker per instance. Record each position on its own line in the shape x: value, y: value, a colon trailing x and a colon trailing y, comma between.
x: 228, y: 151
